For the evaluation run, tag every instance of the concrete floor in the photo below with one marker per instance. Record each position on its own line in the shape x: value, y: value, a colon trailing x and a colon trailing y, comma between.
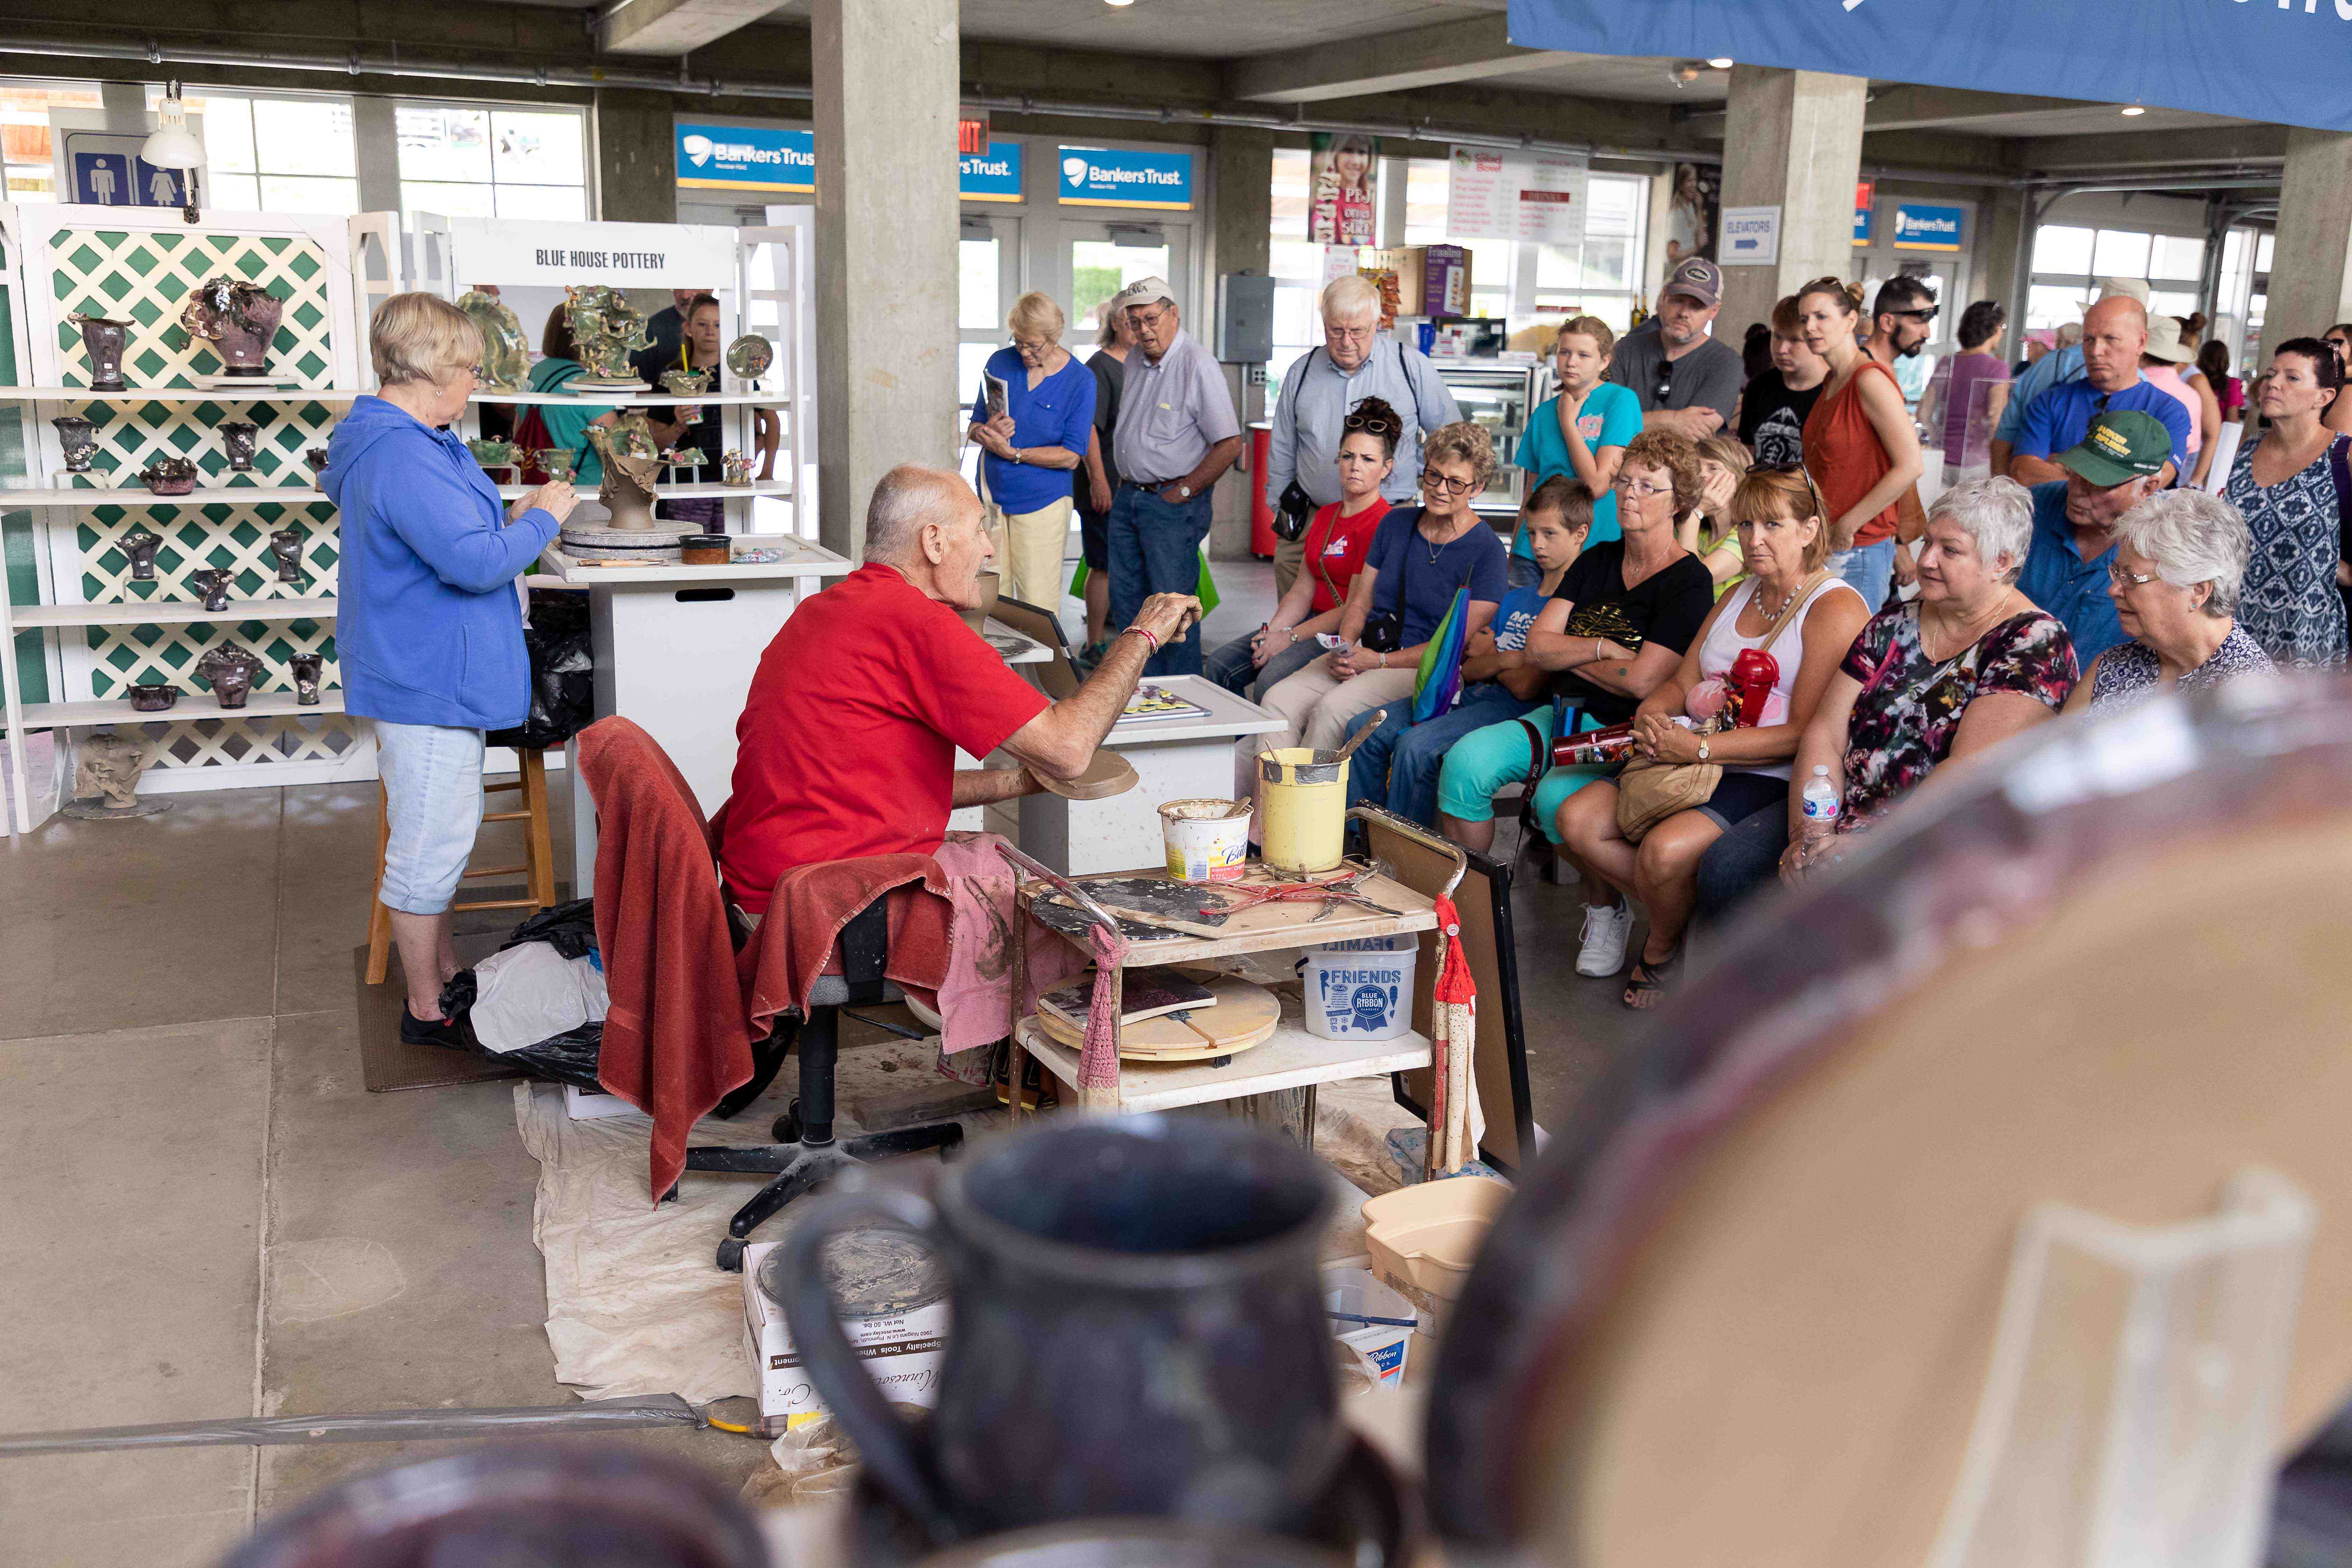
x: 213, y: 1218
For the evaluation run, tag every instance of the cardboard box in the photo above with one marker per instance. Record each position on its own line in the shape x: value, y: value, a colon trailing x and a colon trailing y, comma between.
x: 903, y: 1350
x: 593, y: 1105
x: 1431, y: 279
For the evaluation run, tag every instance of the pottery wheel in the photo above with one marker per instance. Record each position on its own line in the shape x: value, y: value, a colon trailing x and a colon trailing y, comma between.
x: 1743, y: 1309
x: 1107, y: 774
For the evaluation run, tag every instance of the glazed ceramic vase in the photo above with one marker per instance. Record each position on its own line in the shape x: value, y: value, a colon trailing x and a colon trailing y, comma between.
x: 606, y: 329
x: 239, y: 440
x: 506, y: 353
x: 154, y: 696
x: 495, y: 454
x: 141, y: 546
x: 170, y: 476
x: 317, y: 457
x: 556, y: 462
x: 213, y: 583
x: 77, y: 440
x: 286, y: 549
x: 104, y: 341
x: 687, y: 383
x: 231, y: 670
x: 1138, y: 1330
x: 238, y: 318
x: 307, y: 668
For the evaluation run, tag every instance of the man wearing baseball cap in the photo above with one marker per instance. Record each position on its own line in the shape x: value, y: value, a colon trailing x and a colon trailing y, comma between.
x: 1176, y: 434
x: 1686, y: 380
x: 2116, y: 465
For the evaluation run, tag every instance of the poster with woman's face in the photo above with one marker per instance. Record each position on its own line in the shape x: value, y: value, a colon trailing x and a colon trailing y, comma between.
x: 1339, y: 195
x: 1691, y: 216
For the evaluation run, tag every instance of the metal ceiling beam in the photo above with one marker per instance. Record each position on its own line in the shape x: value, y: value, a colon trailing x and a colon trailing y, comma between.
x: 1387, y: 62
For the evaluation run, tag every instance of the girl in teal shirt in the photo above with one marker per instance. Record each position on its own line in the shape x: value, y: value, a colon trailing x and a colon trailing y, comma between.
x: 567, y: 422
x: 1581, y: 434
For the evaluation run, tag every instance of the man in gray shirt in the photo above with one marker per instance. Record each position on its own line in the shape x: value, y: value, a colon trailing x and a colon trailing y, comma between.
x: 1176, y: 434
x: 1320, y: 388
x: 1686, y: 380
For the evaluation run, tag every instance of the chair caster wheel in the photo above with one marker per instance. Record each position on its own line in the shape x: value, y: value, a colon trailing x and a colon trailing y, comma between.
x: 788, y: 1126
x: 730, y: 1255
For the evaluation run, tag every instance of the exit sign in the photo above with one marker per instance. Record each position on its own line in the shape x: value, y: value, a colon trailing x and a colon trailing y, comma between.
x: 972, y: 131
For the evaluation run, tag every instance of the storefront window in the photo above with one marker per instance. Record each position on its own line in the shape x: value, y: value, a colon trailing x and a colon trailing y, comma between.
x: 2069, y: 261
x: 25, y: 149
x: 276, y: 154
x: 468, y: 161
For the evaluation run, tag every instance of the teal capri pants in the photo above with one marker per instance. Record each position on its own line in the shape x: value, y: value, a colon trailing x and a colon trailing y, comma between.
x: 1497, y: 756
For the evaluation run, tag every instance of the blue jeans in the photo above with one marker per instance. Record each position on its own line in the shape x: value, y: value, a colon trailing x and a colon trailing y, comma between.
x: 1229, y: 666
x: 1870, y: 568
x: 1743, y: 863
x: 1397, y: 766
x: 1155, y: 548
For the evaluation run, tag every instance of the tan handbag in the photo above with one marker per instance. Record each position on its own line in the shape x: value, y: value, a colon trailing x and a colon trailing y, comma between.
x: 1650, y: 790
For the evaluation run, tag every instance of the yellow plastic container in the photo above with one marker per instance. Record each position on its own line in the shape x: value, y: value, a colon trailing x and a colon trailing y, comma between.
x: 1302, y: 809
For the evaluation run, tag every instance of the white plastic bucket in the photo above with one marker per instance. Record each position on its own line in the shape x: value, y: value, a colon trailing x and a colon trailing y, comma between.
x: 1207, y: 840
x: 1381, y: 1346
x: 1361, y: 989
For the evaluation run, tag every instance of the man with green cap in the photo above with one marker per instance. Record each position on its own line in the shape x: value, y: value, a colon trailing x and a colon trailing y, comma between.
x: 2118, y: 463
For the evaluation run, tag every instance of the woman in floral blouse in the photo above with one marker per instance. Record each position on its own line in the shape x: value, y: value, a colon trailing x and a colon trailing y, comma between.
x: 1966, y: 665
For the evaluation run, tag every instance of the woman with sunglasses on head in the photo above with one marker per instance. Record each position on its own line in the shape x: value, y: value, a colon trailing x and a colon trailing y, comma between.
x: 1796, y: 622
x: 1336, y: 542
x: 1579, y: 434
x: 1861, y: 446
x: 1420, y: 558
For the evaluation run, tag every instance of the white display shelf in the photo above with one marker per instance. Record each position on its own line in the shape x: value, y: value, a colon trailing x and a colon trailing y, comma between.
x: 174, y: 612
x: 201, y: 496
x: 683, y: 492
x: 1290, y: 1057
x: 193, y: 704
x: 259, y: 393
x: 634, y: 399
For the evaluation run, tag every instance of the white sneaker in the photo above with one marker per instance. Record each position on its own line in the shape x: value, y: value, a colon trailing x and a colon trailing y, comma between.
x: 1605, y: 932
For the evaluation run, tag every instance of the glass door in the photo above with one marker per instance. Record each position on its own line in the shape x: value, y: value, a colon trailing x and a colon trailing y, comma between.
x: 1105, y: 258
x: 988, y: 257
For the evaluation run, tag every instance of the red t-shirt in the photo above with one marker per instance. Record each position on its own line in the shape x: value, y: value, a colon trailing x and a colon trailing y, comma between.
x: 846, y: 746
x: 1336, y: 548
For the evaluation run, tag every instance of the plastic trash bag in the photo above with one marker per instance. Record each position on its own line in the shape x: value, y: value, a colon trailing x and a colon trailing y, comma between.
x: 570, y: 1056
x: 562, y: 672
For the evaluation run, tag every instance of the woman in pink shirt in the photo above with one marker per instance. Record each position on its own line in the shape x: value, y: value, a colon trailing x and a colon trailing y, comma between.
x: 2159, y: 365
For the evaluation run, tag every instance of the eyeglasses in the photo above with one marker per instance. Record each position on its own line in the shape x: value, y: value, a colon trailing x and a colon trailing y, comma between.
x: 2123, y: 579
x: 1438, y: 484
x: 1372, y: 424
x: 1926, y: 315
x: 1643, y: 490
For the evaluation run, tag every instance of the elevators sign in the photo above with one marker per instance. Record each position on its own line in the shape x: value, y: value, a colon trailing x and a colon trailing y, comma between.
x: 1750, y: 237
x: 631, y: 255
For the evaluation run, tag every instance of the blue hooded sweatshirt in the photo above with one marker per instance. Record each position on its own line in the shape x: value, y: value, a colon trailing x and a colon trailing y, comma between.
x: 428, y: 629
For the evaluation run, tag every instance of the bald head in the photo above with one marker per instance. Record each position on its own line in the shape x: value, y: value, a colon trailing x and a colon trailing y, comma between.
x: 909, y: 497
x: 2115, y: 334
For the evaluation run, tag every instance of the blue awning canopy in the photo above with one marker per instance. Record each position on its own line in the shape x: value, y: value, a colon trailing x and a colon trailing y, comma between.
x: 2288, y: 62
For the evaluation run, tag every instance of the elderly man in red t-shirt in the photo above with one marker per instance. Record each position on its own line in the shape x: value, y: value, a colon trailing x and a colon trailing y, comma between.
x: 846, y: 746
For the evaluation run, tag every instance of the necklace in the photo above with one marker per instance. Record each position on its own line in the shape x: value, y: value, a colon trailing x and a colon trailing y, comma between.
x: 1774, y: 613
x: 1437, y: 549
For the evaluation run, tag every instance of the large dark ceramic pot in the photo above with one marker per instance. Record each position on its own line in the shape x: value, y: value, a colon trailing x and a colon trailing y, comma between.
x: 1137, y: 1331
x: 141, y: 546
x: 77, y: 440
x: 104, y: 341
x: 239, y: 319
x: 239, y: 438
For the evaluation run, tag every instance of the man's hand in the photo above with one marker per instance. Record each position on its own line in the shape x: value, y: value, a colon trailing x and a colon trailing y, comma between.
x: 1481, y: 641
x: 1165, y: 616
x: 554, y: 497
x: 1907, y: 569
x: 1098, y: 493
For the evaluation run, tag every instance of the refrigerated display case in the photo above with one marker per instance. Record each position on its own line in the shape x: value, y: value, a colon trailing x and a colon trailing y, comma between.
x: 1501, y: 396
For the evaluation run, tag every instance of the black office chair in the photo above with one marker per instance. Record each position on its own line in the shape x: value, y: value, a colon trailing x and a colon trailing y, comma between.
x: 805, y: 1152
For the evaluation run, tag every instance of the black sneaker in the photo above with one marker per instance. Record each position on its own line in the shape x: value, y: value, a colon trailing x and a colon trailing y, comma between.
x: 416, y: 1031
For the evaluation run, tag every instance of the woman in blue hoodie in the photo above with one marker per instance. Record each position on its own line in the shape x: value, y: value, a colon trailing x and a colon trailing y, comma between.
x: 428, y: 628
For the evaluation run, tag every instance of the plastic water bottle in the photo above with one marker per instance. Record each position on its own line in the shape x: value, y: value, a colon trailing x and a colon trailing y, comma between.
x: 1822, y: 804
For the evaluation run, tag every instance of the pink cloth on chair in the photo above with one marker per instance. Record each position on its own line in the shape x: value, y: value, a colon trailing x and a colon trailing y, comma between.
x: 975, y: 1001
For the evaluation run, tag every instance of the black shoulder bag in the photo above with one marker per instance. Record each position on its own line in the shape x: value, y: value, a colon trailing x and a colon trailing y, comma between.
x: 1384, y: 629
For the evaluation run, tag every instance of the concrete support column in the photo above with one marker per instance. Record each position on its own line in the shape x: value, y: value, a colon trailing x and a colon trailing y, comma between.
x: 887, y: 93
x: 2311, y: 260
x: 1396, y: 174
x: 636, y: 157
x: 1792, y: 140
x: 1241, y: 175
x: 2004, y: 258
x: 375, y: 136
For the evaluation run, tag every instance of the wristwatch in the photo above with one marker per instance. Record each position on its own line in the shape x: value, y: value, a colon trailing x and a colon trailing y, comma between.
x: 1183, y: 493
x: 1702, y: 749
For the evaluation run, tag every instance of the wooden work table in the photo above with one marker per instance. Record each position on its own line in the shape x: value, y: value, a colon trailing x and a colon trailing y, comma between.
x: 1152, y: 910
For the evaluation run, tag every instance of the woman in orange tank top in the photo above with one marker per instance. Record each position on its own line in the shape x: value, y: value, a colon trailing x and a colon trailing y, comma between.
x: 1861, y: 446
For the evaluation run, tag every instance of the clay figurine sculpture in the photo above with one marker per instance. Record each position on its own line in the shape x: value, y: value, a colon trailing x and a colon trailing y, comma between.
x: 154, y: 696
x: 632, y: 463
x: 106, y: 777
x: 141, y: 546
x: 238, y: 318
x: 213, y: 583
x: 495, y: 454
x: 557, y: 462
x: 170, y: 476
x: 687, y: 383
x: 286, y: 549
x: 317, y: 457
x: 307, y: 668
x: 239, y: 438
x: 608, y: 329
x: 506, y: 353
x: 685, y: 458
x: 77, y: 438
x: 750, y: 356
x: 231, y: 670
x: 737, y: 467
x: 103, y: 340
